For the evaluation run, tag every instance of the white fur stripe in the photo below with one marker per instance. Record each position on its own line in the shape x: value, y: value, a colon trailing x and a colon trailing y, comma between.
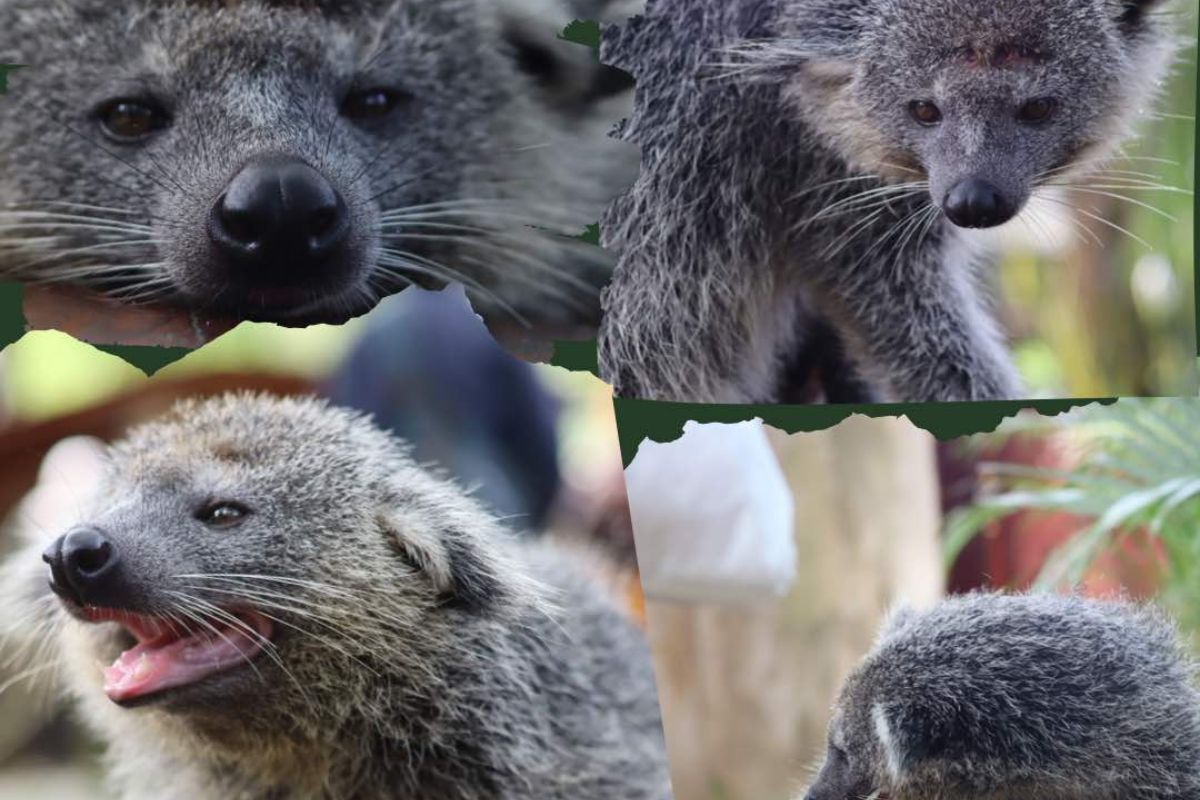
x: 884, y: 732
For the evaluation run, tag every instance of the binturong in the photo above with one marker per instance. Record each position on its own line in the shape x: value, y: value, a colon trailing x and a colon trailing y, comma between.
x: 993, y: 697
x: 828, y: 164
x: 296, y: 160
x: 271, y: 601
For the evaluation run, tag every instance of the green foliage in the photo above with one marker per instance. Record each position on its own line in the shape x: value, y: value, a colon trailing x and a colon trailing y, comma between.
x: 1139, y: 469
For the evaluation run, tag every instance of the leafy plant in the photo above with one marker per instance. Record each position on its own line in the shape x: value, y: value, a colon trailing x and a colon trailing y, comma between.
x: 1138, y: 469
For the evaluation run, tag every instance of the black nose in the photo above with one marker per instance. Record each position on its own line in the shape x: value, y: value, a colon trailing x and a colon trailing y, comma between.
x: 82, y: 565
x: 975, y: 203
x: 280, y: 220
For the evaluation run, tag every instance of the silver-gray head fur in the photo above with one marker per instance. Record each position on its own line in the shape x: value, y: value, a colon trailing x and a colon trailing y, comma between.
x: 418, y: 650
x: 468, y: 142
x: 803, y: 161
x: 991, y: 697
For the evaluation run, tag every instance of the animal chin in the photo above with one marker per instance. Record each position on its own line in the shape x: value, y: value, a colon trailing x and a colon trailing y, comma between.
x: 170, y: 655
x: 282, y: 305
x: 282, y: 298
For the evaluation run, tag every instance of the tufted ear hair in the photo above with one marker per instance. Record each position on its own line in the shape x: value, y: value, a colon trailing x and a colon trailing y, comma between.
x: 458, y: 548
x: 819, y: 39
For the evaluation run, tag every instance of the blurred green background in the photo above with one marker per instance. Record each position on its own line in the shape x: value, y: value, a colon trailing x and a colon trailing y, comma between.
x: 1104, y: 489
x: 1117, y: 318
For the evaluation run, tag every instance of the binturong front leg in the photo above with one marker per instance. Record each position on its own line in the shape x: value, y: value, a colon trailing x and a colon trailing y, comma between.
x: 694, y: 331
x: 920, y: 324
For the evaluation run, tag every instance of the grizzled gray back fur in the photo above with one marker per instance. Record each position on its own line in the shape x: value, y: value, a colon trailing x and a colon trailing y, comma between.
x: 786, y: 185
x: 991, y: 697
x: 495, y: 158
x: 423, y: 653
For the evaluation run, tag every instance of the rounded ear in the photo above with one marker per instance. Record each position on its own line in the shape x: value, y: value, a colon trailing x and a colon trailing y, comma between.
x: 819, y: 42
x: 459, y: 548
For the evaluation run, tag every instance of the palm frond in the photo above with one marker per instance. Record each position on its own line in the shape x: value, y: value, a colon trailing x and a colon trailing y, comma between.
x: 1137, y: 469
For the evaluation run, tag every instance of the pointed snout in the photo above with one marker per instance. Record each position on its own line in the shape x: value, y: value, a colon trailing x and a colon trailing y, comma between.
x: 281, y: 219
x: 977, y: 203
x: 84, y: 567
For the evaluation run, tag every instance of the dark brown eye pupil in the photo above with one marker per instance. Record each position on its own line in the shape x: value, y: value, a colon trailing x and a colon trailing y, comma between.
x: 925, y: 112
x: 371, y: 103
x: 222, y: 514
x: 131, y: 119
x: 1037, y: 110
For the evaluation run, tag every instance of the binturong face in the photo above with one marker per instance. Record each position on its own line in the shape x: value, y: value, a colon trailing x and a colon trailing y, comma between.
x: 982, y: 104
x: 992, y: 99
x: 244, y: 549
x: 846, y: 773
x: 296, y: 161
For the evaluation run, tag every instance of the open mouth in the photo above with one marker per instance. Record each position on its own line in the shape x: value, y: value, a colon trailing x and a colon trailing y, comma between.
x: 170, y: 654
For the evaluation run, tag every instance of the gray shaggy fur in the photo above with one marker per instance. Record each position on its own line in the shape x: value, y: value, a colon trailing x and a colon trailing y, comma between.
x: 420, y: 653
x: 497, y: 159
x: 786, y: 186
x: 990, y: 697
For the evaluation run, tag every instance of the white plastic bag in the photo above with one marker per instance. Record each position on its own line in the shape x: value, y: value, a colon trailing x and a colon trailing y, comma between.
x: 712, y: 516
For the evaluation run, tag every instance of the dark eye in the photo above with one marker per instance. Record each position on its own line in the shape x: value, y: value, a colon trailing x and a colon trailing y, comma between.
x: 127, y: 120
x: 222, y: 515
x: 925, y: 112
x: 372, y: 103
x: 1037, y: 111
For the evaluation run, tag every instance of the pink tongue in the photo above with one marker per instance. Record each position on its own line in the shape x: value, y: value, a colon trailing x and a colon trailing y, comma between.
x: 148, y: 668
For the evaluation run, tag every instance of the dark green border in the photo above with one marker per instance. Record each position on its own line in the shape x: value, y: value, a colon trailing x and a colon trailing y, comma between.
x: 13, y: 326
x: 12, y: 317
x: 5, y: 71
x: 638, y: 420
x: 584, y: 32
